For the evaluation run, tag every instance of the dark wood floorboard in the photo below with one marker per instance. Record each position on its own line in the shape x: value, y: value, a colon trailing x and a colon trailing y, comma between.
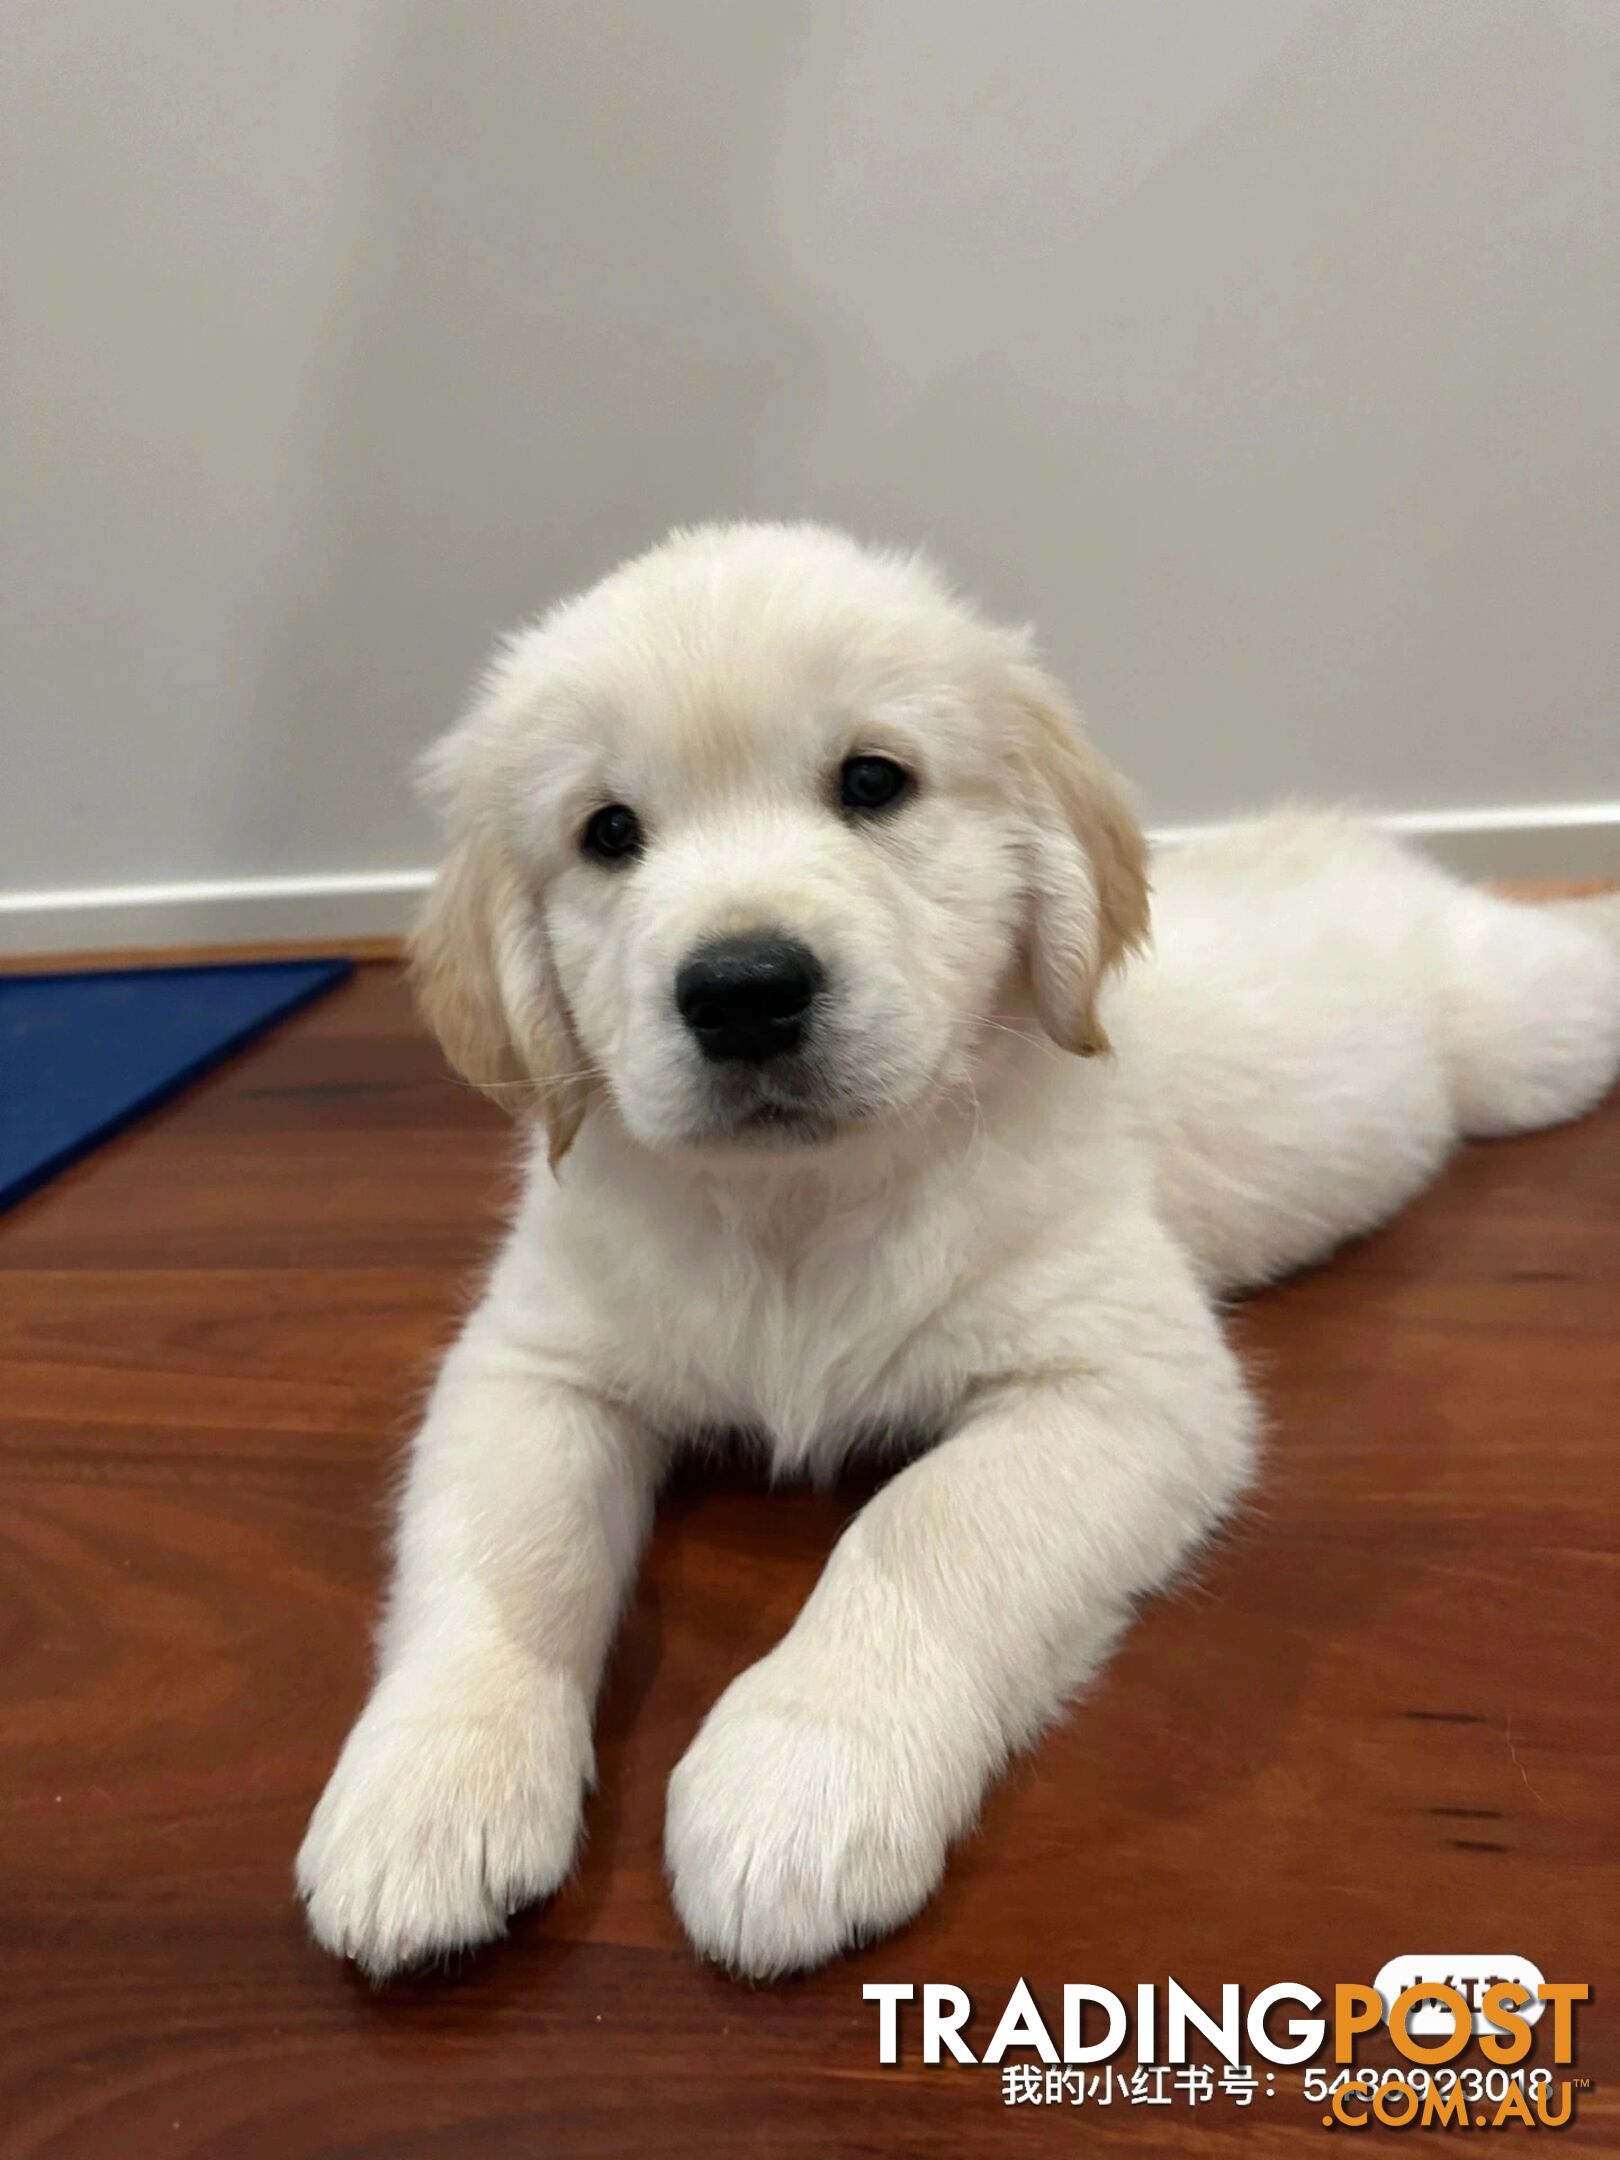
x: 1382, y: 1719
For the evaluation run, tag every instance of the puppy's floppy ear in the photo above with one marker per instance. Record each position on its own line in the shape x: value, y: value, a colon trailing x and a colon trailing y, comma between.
x: 1087, y: 863
x: 486, y: 986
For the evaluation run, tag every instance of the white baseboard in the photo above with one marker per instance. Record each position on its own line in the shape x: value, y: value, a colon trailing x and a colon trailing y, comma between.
x: 1539, y: 840
x: 212, y: 911
x: 1553, y: 840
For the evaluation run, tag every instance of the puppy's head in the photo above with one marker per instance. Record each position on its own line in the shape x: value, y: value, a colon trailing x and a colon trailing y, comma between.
x: 758, y: 835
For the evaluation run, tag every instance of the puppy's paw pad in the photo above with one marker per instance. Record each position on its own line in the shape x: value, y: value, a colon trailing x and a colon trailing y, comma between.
x: 434, y: 1830
x: 790, y: 1838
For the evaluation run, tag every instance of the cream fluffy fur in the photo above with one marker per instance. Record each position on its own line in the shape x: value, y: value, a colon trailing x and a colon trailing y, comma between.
x: 978, y: 1237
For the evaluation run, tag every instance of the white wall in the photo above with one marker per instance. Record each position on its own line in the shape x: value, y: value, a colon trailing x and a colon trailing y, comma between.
x: 1264, y: 351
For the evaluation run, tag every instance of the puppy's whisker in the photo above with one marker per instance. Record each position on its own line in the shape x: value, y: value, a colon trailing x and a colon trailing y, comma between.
x: 1027, y: 1036
x: 527, y: 1087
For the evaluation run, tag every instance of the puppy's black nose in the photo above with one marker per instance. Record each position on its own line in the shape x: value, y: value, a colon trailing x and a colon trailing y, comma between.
x: 746, y: 999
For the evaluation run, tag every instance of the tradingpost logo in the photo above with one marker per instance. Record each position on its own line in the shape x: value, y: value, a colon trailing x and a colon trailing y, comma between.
x: 1461, y: 2026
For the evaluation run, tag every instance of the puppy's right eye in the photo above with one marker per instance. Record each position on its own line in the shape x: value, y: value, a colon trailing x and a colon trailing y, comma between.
x: 867, y: 785
x: 612, y: 834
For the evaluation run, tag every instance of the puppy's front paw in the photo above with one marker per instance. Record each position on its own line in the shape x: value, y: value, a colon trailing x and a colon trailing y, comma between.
x: 437, y: 1825
x: 793, y: 1834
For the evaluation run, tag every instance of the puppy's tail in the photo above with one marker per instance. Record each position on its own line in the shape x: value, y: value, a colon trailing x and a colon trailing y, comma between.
x: 1599, y: 912
x: 1532, y: 1008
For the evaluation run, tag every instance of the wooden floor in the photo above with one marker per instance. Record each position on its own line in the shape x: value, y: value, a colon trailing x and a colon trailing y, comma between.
x: 1382, y: 1720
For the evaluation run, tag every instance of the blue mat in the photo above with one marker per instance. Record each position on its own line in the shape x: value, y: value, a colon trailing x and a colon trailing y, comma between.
x: 81, y: 1056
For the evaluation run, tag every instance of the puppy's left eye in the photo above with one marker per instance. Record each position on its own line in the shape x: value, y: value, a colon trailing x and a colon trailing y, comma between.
x: 613, y: 834
x: 868, y: 784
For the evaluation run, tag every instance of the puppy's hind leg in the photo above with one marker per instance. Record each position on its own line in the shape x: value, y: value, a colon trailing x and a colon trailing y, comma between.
x: 1530, y: 1012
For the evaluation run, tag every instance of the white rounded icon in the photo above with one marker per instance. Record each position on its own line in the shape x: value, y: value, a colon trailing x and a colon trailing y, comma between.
x: 1470, y: 1976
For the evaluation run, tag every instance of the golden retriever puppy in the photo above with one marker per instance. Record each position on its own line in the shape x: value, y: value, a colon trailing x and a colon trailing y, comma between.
x: 790, y: 908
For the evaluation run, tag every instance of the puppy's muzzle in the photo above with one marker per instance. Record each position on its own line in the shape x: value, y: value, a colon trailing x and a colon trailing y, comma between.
x: 748, y: 999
